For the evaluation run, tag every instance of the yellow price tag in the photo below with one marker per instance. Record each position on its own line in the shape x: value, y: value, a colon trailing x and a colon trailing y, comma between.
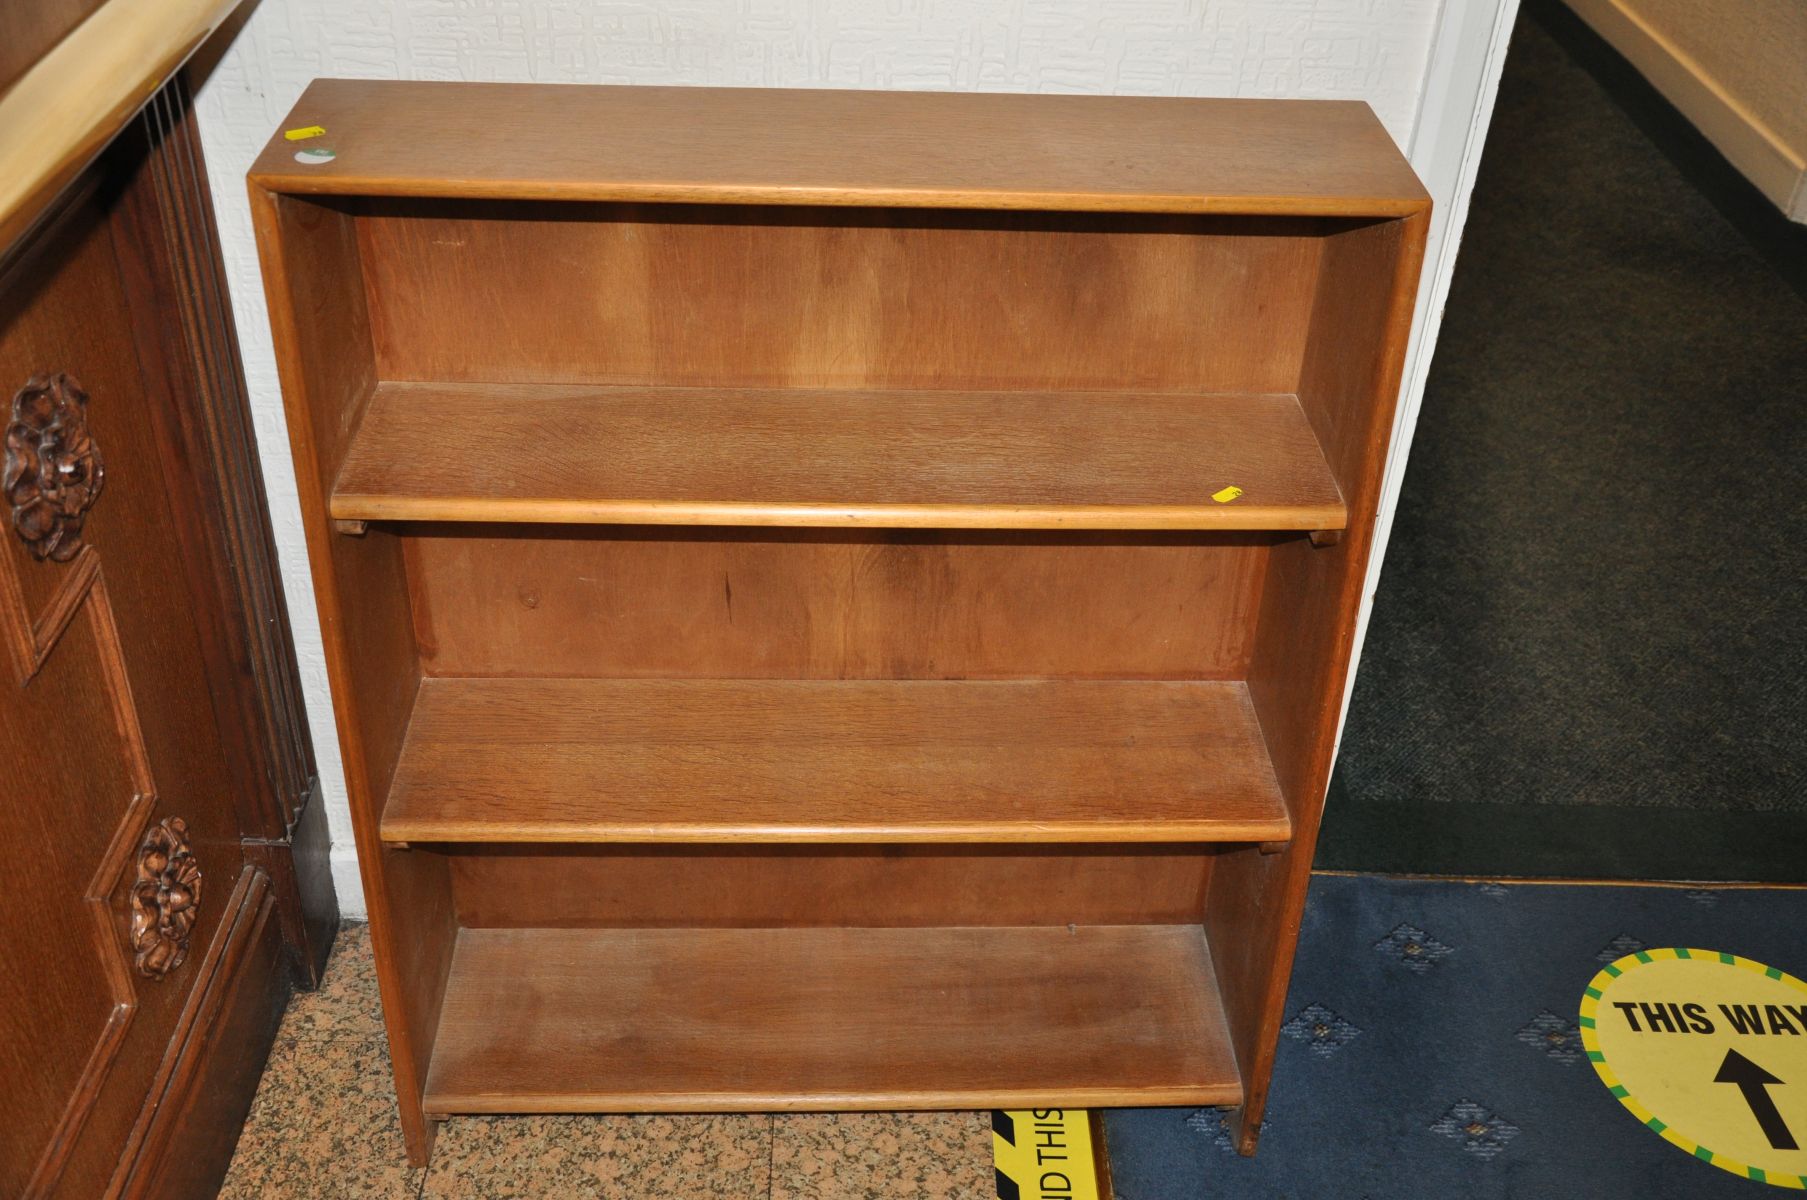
x: 305, y: 132
x: 1227, y: 495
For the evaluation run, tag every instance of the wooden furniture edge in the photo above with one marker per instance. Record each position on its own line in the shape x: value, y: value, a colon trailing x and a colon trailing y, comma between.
x: 187, y: 342
x: 1101, y: 1157
x: 64, y: 110
x: 1383, y: 185
x: 409, y: 1050
x: 1284, y: 877
x: 1354, y: 207
x: 418, y: 832
x: 140, y: 189
x: 183, y: 1140
x: 450, y: 1104
x: 355, y: 507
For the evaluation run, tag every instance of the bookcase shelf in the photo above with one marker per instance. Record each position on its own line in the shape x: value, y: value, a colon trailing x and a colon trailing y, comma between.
x: 698, y: 760
x: 825, y: 457
x: 834, y: 600
x: 685, y: 1020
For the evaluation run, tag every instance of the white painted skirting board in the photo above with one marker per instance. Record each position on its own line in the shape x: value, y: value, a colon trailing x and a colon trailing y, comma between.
x: 1455, y: 110
x: 1759, y: 152
x: 347, y: 884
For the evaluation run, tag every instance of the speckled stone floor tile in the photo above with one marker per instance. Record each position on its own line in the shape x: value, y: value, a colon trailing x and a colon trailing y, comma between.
x: 882, y: 1156
x: 346, y: 1000
x: 701, y: 1157
x: 323, y: 1125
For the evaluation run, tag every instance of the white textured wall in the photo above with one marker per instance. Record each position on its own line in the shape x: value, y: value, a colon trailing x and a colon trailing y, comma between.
x: 1373, y: 50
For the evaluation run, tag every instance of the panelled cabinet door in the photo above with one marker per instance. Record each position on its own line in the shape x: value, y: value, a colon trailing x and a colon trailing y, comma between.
x: 125, y: 846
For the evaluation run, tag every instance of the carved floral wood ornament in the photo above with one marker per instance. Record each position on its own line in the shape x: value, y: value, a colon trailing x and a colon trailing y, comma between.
x: 54, y: 471
x: 166, y: 899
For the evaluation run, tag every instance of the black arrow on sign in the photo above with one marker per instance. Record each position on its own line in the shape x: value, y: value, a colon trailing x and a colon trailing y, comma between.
x: 1754, y: 1082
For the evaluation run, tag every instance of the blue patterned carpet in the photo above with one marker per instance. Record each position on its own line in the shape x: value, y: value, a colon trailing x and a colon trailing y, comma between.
x: 1431, y: 1050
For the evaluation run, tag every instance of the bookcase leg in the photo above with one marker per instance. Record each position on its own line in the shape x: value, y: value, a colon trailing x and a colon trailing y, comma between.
x: 1252, y: 917
x: 1245, y: 1130
x: 419, y: 1134
x: 414, y: 932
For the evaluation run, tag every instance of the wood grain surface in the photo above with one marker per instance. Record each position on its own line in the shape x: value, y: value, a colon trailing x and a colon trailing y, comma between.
x: 640, y: 1020
x: 654, y: 602
x: 720, y: 296
x: 28, y: 30
x: 129, y: 703
x: 59, y: 113
x: 764, y: 885
x: 664, y: 802
x: 698, y: 456
x: 580, y: 760
x: 1306, y: 632
x: 822, y: 147
x: 360, y: 584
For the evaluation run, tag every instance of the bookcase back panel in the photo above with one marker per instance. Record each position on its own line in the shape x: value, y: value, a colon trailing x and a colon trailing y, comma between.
x: 807, y: 604
x: 751, y: 296
x: 782, y: 886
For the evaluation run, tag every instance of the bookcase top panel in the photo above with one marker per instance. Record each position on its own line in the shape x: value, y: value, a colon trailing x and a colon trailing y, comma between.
x: 845, y: 148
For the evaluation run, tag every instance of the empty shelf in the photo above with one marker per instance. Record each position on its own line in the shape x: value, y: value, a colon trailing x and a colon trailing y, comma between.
x: 686, y: 1020
x: 898, y: 459
x: 590, y: 760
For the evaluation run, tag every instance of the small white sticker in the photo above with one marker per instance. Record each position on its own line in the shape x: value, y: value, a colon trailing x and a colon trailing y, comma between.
x: 314, y: 154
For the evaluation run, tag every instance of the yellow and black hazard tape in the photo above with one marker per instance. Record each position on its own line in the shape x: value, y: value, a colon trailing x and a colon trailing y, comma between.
x: 1048, y: 1154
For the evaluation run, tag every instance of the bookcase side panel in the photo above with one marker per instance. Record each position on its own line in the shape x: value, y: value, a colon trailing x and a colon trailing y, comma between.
x: 1305, y: 634
x: 318, y: 317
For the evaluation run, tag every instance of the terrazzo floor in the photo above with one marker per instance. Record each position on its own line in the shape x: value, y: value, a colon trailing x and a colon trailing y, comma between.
x: 324, y: 1124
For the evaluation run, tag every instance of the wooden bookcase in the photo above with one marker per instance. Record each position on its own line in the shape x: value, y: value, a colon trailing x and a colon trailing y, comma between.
x: 834, y: 600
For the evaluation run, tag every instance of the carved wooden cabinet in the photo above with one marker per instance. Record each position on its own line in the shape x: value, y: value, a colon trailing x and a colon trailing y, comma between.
x: 834, y: 600
x: 167, y: 880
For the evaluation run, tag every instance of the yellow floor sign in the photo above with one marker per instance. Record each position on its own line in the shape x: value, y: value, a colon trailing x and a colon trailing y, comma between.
x: 1044, y: 1154
x: 1710, y: 1051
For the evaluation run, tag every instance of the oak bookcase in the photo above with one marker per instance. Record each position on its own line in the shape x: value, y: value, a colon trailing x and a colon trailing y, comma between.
x: 834, y: 600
